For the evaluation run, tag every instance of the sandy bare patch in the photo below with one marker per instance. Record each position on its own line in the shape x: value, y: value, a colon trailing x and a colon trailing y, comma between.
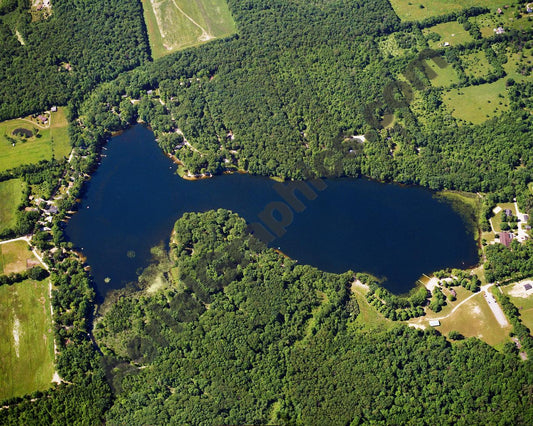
x: 496, y: 309
x: 16, y: 335
x: 360, y: 285
x: 56, y: 378
x: 19, y: 38
x: 476, y: 310
x: 419, y: 326
x: 519, y: 290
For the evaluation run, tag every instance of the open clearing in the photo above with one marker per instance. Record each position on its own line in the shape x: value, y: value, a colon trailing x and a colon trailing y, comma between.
x: 177, y: 24
x: 507, y: 19
x: 48, y: 140
x: 449, y: 32
x: 471, y: 318
x: 522, y: 299
x: 413, y: 10
x: 476, y: 104
x: 445, y: 76
x: 369, y: 318
x: 476, y: 64
x: 16, y: 256
x: 517, y: 65
x: 26, y: 339
x: 11, y: 197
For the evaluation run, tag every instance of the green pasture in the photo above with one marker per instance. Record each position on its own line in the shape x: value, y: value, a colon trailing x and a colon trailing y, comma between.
x: 26, y: 339
x: 10, y: 198
x: 449, y: 32
x: 476, y: 64
x: 507, y: 19
x: 517, y: 65
x: 477, y: 104
x: 177, y: 24
x: 416, y: 10
x: 445, y: 76
x: 47, y: 140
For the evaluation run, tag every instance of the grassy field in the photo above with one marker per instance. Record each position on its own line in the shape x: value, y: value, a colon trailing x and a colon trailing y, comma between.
x: 476, y: 64
x: 518, y: 62
x: 11, y: 196
x: 369, y: 319
x: 47, y: 141
x: 507, y: 19
x: 16, y: 257
x: 445, y: 76
x: 26, y: 339
x: 450, y: 32
x: 416, y: 10
x: 177, y: 24
x: 477, y: 104
x: 523, y: 301
x: 497, y: 218
x: 473, y: 318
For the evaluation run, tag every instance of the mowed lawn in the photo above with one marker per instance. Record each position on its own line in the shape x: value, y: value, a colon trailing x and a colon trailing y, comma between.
x: 10, y: 198
x: 477, y: 104
x: 416, y: 10
x: 522, y: 300
x: 472, y: 318
x: 450, y: 32
x: 16, y: 256
x: 49, y: 141
x: 177, y: 24
x: 26, y: 338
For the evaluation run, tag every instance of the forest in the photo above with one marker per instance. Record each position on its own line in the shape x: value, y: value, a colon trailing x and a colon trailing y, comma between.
x: 243, y: 335
x: 276, y: 100
x: 68, y: 54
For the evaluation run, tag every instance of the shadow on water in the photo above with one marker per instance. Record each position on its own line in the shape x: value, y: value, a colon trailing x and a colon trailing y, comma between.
x: 134, y: 198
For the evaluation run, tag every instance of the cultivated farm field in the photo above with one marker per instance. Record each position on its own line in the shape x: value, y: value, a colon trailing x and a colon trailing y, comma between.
x: 26, y: 338
x: 177, y: 24
x: 10, y: 196
x: 34, y: 141
x: 416, y: 10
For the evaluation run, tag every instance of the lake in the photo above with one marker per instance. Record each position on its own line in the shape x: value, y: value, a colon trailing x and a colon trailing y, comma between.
x: 393, y: 232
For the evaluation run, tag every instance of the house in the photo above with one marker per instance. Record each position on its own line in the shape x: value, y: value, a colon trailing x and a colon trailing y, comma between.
x: 508, y: 212
x: 506, y: 238
x: 499, y: 30
x: 500, y: 11
x: 527, y: 287
x: 446, y: 44
x: 42, y: 118
x: 453, y: 292
x: 54, y: 109
x: 434, y: 323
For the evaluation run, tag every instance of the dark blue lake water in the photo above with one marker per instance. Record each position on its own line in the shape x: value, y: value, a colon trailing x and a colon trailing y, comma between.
x: 132, y: 201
